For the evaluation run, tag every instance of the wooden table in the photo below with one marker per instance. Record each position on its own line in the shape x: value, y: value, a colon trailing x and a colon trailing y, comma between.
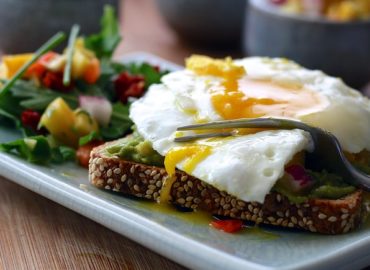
x: 36, y: 233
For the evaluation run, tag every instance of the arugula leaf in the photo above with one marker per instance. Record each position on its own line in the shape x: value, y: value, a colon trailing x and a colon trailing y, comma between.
x: 104, y: 43
x: 10, y: 104
x: 11, y: 110
x: 151, y: 75
x: 37, y: 149
x: 120, y: 123
x: 62, y: 153
x: 89, y: 137
x: 115, y: 131
x: 120, y: 112
x: 8, y: 115
x: 89, y: 89
x: 32, y: 97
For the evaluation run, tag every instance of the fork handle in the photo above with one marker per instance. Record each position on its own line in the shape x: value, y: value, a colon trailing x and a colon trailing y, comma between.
x: 249, y: 123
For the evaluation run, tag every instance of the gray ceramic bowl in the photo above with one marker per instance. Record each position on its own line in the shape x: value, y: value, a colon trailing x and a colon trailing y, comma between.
x: 340, y: 49
x: 26, y: 24
x: 206, y: 22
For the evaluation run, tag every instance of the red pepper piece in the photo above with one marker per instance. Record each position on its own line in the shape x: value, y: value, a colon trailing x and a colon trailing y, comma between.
x: 30, y: 119
x: 228, y: 225
x: 38, y: 69
x: 127, y: 85
x: 47, y: 57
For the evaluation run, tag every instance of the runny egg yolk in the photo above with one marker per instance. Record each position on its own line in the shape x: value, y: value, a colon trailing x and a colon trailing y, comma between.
x: 192, y: 154
x: 242, y: 97
x: 255, y: 98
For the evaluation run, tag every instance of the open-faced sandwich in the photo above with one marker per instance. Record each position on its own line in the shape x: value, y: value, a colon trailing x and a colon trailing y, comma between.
x: 257, y: 175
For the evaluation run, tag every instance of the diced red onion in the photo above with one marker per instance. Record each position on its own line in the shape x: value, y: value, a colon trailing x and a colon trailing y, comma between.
x: 98, y: 107
x: 300, y: 178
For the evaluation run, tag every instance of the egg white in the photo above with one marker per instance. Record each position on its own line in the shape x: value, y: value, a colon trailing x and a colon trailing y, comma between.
x: 347, y: 114
x: 248, y: 166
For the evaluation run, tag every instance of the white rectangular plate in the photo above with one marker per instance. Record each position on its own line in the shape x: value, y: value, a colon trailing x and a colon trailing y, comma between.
x: 192, y: 244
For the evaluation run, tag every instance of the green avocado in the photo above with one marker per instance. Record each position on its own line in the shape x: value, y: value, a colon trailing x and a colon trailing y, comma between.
x: 136, y: 149
x: 332, y: 192
x: 325, y: 186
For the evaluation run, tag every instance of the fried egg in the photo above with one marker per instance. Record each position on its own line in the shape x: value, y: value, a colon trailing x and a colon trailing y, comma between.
x: 248, y: 165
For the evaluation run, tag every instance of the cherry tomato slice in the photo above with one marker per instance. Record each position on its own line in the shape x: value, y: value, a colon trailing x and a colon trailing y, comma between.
x: 83, y: 152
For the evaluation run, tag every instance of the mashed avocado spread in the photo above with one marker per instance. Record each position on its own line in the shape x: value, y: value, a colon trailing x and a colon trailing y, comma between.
x: 136, y: 149
x: 326, y: 185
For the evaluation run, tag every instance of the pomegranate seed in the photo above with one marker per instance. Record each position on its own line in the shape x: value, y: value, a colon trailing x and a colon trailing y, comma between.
x: 30, y: 119
x: 54, y: 81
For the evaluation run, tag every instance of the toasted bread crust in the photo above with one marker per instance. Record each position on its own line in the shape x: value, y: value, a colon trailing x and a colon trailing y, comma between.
x: 144, y: 181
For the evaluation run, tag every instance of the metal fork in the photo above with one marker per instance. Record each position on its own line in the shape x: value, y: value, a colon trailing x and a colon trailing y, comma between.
x: 327, y: 153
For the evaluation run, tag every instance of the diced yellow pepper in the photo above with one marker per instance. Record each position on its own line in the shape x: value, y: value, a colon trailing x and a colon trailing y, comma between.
x: 84, y: 123
x: 12, y: 63
x: 59, y: 120
x: 65, y: 125
x: 79, y: 64
x: 81, y: 59
x: 80, y: 45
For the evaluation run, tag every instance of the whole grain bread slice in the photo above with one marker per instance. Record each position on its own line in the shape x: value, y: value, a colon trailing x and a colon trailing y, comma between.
x: 316, y: 215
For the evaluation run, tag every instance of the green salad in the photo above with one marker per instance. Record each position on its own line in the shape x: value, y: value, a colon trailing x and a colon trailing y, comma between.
x: 63, y: 104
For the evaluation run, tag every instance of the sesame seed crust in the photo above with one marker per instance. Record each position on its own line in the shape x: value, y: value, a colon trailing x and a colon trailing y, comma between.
x: 144, y: 181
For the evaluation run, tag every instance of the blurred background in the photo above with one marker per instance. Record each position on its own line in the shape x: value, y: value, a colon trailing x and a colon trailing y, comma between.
x: 331, y: 35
